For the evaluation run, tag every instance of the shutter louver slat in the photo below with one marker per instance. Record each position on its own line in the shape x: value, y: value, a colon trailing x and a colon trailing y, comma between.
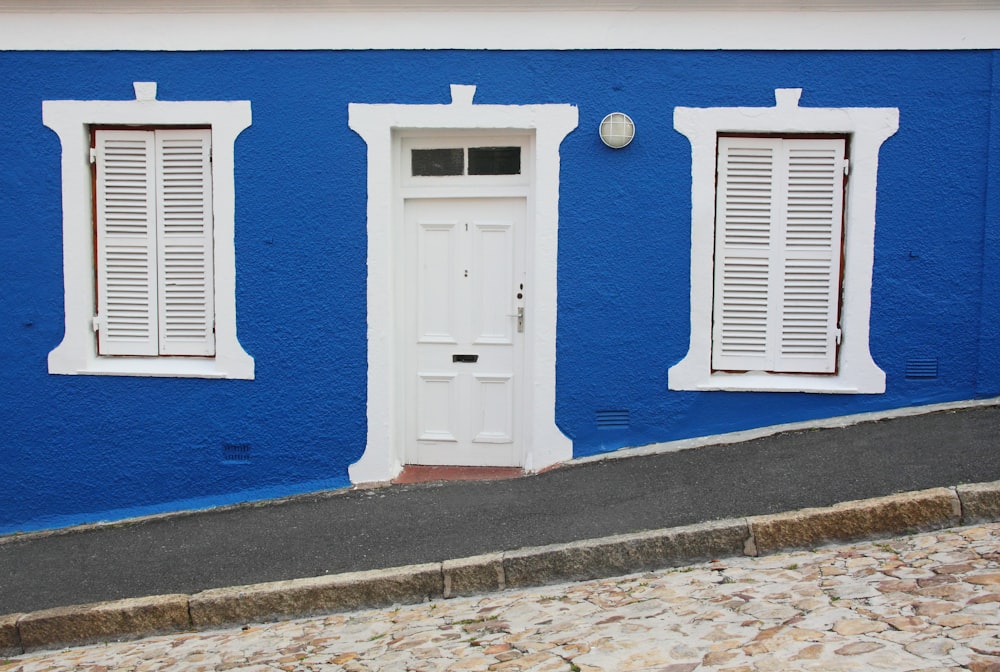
x: 186, y: 285
x: 126, y: 243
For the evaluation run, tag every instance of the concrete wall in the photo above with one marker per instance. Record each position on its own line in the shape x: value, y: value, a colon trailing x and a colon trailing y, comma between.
x: 80, y: 448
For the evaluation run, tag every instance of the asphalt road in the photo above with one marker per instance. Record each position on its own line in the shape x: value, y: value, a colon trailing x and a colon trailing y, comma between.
x: 399, y: 525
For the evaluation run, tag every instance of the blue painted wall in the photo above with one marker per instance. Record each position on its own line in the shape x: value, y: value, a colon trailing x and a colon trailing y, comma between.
x: 77, y: 448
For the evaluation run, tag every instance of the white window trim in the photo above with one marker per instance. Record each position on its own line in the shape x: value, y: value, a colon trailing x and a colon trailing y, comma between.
x: 72, y: 120
x: 867, y: 129
x: 380, y: 125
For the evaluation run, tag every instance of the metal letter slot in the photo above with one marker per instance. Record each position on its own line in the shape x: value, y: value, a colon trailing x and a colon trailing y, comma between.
x: 465, y: 358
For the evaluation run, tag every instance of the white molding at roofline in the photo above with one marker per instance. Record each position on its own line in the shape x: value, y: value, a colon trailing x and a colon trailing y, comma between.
x: 316, y: 25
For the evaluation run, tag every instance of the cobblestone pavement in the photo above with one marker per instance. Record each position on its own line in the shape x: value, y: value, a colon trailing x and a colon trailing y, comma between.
x: 925, y: 602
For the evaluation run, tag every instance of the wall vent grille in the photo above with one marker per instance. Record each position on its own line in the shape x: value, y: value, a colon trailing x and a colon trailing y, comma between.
x: 236, y: 453
x: 921, y: 368
x: 612, y: 419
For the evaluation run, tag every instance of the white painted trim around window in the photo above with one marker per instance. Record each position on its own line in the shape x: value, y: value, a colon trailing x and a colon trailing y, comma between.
x: 243, y: 25
x: 72, y: 120
x: 868, y: 128
x: 380, y: 126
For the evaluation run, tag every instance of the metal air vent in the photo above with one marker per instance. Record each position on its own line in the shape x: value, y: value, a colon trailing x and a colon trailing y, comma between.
x: 612, y: 419
x: 236, y: 453
x: 921, y: 368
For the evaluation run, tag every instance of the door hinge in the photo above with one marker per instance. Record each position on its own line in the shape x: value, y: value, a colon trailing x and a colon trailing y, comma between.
x: 838, y: 334
x: 847, y: 167
x: 95, y: 322
x: 93, y: 154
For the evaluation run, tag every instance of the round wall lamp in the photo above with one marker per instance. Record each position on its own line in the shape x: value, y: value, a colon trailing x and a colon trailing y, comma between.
x: 617, y: 130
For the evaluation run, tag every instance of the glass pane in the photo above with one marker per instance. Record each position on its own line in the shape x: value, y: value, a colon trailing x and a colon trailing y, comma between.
x: 494, y: 160
x: 437, y: 162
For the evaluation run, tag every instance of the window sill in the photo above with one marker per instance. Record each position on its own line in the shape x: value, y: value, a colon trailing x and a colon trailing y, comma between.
x: 759, y: 381
x: 158, y: 367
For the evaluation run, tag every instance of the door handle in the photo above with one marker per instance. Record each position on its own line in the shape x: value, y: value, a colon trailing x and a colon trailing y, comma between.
x: 520, y: 318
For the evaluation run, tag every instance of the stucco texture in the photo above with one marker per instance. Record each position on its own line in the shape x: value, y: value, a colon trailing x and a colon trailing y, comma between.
x: 82, y: 448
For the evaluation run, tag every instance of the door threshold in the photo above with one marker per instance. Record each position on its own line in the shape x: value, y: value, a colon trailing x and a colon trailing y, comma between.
x: 418, y: 473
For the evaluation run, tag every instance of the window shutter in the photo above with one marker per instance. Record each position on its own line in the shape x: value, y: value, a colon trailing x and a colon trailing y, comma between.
x: 126, y: 243
x: 814, y: 207
x: 184, y: 215
x: 744, y: 215
x: 779, y: 220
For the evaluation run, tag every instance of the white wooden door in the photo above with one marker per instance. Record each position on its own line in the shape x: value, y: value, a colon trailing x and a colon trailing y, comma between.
x: 464, y: 290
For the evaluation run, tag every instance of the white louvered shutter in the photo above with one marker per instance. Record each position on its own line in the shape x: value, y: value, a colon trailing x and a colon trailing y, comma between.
x: 743, y: 234
x: 779, y: 214
x: 184, y: 217
x: 814, y: 212
x: 126, y: 243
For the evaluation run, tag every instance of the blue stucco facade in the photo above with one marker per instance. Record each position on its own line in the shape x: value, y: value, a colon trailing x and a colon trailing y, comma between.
x: 84, y: 448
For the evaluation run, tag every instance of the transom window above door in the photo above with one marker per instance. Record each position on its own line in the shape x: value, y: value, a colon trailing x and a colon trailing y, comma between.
x: 458, y: 160
x: 465, y: 161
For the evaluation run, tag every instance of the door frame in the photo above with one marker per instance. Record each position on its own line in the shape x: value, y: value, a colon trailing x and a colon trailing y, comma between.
x: 381, y: 126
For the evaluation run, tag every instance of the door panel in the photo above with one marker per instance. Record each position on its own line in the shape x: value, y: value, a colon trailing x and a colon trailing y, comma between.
x: 436, y: 319
x: 492, y: 405
x: 464, y: 273
x: 492, y: 284
x: 437, y: 396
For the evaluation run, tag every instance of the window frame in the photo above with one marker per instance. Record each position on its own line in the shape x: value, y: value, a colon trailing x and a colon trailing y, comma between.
x: 866, y: 130
x: 73, y: 121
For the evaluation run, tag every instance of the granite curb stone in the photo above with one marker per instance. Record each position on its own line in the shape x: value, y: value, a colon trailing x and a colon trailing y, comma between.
x: 472, y: 576
x: 324, y: 594
x: 895, y: 514
x: 621, y: 554
x: 10, y: 637
x: 102, y: 621
x: 980, y: 502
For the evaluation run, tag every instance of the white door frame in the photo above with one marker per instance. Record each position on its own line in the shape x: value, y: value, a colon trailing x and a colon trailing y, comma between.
x: 544, y: 444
